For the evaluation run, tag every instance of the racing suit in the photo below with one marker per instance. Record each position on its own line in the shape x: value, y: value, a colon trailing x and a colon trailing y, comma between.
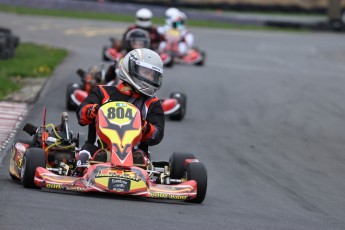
x: 150, y: 107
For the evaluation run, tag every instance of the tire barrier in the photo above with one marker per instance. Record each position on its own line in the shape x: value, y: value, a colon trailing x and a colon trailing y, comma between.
x: 8, y: 43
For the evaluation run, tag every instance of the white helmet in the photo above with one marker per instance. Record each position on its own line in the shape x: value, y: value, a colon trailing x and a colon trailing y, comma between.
x: 184, y: 17
x: 142, y: 69
x: 144, y: 17
x: 169, y: 13
x: 178, y: 20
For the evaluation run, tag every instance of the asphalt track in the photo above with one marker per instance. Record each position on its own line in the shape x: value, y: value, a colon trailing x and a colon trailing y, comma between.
x: 265, y: 115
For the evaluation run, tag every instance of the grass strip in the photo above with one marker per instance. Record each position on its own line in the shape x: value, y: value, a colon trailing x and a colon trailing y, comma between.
x: 30, y: 61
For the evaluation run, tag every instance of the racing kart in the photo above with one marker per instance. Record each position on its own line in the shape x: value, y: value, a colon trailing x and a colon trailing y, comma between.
x: 52, y: 147
x: 174, y: 107
x: 171, y: 53
x: 117, y: 169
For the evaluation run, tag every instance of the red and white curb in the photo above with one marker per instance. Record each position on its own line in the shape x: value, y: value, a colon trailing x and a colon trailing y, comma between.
x: 11, y: 115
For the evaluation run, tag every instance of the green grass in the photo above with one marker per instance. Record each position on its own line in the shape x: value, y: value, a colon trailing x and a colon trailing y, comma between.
x: 130, y: 18
x: 30, y: 60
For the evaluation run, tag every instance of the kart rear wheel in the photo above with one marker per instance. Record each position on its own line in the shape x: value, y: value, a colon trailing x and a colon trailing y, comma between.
x: 13, y: 177
x: 81, y: 139
x: 182, y: 100
x: 202, y: 62
x: 104, y: 57
x: 171, y: 62
x: 70, y: 104
x: 197, y: 171
x: 33, y: 158
x: 176, y: 163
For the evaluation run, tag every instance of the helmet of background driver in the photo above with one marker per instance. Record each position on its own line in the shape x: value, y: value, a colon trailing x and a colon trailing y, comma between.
x: 169, y: 13
x: 144, y: 17
x: 137, y: 38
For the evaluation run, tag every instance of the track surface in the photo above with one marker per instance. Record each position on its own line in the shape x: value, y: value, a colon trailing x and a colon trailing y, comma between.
x: 266, y: 115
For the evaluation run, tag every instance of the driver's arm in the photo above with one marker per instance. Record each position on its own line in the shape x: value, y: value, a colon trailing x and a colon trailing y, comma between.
x: 89, y: 107
x: 155, y: 119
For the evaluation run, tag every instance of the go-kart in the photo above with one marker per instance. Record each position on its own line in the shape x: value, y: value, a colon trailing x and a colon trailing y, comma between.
x: 170, y: 53
x: 174, y: 107
x: 52, y: 147
x: 117, y: 169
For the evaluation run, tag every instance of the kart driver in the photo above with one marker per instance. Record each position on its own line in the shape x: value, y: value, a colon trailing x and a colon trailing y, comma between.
x: 177, y: 20
x: 135, y: 39
x: 143, y: 21
x: 141, y: 72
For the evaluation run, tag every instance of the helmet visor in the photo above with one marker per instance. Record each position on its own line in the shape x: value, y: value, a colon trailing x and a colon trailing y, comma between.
x: 142, y: 71
x: 137, y: 43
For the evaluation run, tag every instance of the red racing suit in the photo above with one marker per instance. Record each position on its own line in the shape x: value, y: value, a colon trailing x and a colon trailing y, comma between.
x: 150, y: 107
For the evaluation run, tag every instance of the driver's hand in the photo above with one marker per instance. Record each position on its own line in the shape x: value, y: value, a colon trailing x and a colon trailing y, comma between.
x: 91, y: 112
x: 144, y: 125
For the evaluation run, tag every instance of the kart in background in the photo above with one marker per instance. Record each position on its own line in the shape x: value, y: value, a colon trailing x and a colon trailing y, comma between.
x: 119, y: 170
x: 171, y: 51
x: 174, y: 107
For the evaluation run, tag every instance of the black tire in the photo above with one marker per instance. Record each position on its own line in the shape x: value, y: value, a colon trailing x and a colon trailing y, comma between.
x: 176, y: 163
x: 202, y: 62
x: 180, y: 114
x: 81, y: 139
x: 33, y: 158
x: 13, y: 177
x: 70, y: 104
x: 171, y: 62
x: 104, y: 57
x: 15, y: 40
x: 197, y: 171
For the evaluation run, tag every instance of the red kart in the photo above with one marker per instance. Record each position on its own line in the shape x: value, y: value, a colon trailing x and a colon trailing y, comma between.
x: 174, y: 106
x: 171, y: 54
x: 115, y: 169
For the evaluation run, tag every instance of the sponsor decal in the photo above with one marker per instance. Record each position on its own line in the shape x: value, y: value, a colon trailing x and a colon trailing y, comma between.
x: 117, y: 176
x: 54, y: 186
x: 168, y: 196
x: 121, y: 104
x: 75, y: 189
x: 18, y: 159
x: 119, y: 185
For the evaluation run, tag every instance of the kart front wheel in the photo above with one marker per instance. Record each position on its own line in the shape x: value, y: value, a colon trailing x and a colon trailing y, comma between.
x: 70, y: 104
x: 176, y: 163
x: 33, y: 158
x: 182, y: 100
x: 197, y: 171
